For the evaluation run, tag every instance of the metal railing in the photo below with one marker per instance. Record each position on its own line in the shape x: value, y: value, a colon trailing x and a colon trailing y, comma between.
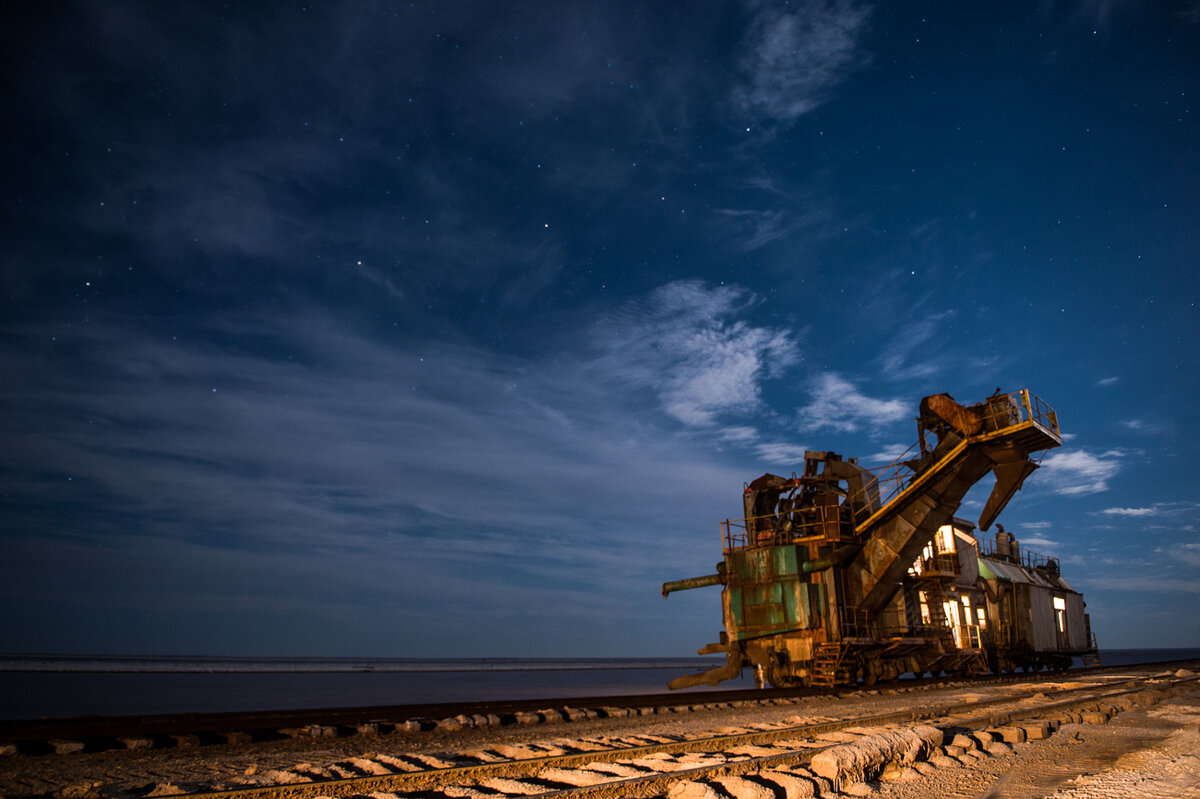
x: 855, y: 623
x: 969, y: 637
x: 1021, y: 557
x: 825, y: 522
x: 998, y: 413
x: 941, y: 565
x: 894, y: 477
x: 893, y: 622
x: 1040, y: 412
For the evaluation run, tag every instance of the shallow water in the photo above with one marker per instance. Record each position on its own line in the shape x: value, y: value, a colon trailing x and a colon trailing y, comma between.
x: 38, y: 686
x: 107, y: 686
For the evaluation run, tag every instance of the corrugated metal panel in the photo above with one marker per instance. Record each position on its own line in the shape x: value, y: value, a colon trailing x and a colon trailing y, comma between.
x: 1036, y: 592
x: 1076, y: 625
x: 1012, y: 573
x: 996, y: 570
x: 1041, y: 611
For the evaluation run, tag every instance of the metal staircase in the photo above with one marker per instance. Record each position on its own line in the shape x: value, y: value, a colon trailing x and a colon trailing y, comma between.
x: 1091, y: 658
x: 935, y: 598
x: 826, y: 663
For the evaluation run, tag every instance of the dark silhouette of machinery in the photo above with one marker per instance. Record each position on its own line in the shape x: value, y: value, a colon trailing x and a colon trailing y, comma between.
x: 846, y: 573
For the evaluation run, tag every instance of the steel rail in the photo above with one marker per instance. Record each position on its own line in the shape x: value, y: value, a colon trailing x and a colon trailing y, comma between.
x: 656, y: 784
x: 99, y: 727
x: 31, y: 736
x: 1041, y: 710
x: 433, y: 779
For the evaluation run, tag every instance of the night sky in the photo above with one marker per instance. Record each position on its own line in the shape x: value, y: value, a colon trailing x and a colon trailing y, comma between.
x: 455, y: 328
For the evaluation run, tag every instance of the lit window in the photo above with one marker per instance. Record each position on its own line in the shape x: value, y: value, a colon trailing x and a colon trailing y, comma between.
x: 945, y: 540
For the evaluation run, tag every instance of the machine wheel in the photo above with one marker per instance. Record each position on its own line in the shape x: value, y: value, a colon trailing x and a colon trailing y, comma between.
x: 872, y: 670
x: 780, y: 677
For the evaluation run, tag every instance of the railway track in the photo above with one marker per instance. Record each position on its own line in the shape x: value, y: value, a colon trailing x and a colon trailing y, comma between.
x: 99, y: 733
x: 643, y: 766
x: 640, y: 762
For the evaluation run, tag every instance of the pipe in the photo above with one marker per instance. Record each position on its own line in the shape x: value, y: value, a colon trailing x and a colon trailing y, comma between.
x: 839, y: 557
x: 692, y: 582
x: 731, y: 669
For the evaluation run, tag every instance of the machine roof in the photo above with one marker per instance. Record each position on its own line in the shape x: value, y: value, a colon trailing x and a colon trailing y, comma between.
x: 1012, y: 573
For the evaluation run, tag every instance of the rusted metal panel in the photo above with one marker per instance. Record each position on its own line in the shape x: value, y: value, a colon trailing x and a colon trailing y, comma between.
x: 769, y: 595
x: 942, y: 407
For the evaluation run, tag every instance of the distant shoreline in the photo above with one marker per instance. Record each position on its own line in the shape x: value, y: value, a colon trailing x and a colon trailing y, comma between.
x: 168, y: 664
x: 115, y: 664
x: 45, y: 686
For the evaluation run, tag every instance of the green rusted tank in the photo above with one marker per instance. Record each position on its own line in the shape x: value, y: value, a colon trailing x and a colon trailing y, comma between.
x: 769, y: 593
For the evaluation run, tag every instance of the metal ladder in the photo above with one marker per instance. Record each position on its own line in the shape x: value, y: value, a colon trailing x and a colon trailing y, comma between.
x: 826, y: 663
x: 1092, y: 656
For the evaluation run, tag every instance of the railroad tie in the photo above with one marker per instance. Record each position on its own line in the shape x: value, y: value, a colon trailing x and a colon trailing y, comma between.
x: 512, y: 787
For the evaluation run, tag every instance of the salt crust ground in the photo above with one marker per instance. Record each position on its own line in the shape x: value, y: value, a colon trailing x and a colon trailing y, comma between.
x: 1151, y: 754
x: 1139, y: 754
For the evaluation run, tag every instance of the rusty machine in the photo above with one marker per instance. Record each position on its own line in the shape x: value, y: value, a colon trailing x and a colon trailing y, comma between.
x: 845, y: 573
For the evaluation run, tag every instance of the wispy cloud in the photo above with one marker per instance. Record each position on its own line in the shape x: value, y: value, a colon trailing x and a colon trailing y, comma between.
x: 787, y: 454
x: 684, y: 343
x: 795, y: 55
x: 1145, y: 426
x: 738, y: 433
x: 1167, y: 512
x: 1130, y: 511
x: 1149, y: 585
x: 892, y: 452
x: 837, y: 404
x: 353, y: 466
x: 1099, y: 13
x: 1080, y: 472
x: 1108, y: 381
x: 753, y: 229
x: 907, y: 357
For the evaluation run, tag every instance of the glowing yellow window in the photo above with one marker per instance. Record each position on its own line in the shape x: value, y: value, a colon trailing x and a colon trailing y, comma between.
x: 945, y: 540
x: 1060, y: 613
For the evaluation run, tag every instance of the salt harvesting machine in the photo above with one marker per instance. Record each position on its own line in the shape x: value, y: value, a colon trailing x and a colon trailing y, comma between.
x: 846, y: 573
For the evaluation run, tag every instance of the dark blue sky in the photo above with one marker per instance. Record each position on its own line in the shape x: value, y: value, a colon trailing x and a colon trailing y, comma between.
x: 451, y: 329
